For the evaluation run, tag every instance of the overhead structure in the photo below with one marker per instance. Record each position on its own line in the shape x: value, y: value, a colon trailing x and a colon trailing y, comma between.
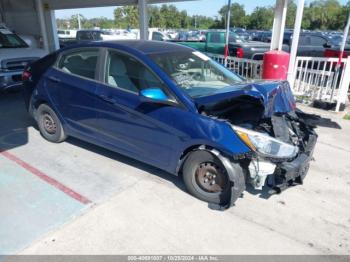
x: 37, y: 17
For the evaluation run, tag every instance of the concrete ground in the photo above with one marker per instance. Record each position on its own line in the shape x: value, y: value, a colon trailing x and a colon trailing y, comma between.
x: 137, y: 209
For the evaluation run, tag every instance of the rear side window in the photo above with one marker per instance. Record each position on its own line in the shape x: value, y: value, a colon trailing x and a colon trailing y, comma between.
x: 318, y: 41
x: 215, y: 38
x: 157, y: 36
x: 305, y: 40
x: 82, y: 63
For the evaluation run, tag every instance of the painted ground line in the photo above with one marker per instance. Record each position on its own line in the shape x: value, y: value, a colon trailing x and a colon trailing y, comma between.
x: 46, y: 178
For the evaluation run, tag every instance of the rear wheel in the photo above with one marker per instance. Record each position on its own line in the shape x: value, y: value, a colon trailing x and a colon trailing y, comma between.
x: 206, y: 177
x: 49, y: 124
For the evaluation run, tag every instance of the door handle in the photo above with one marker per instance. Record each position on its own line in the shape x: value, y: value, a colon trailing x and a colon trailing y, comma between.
x: 54, y: 79
x: 107, y: 99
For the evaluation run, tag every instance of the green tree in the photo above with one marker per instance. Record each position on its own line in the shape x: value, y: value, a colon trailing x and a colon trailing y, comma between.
x: 261, y: 18
x: 126, y: 16
x: 291, y: 13
x: 238, y: 16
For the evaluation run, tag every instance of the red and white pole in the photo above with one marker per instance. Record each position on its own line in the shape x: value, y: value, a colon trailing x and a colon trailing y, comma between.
x: 227, y: 31
x: 345, y: 37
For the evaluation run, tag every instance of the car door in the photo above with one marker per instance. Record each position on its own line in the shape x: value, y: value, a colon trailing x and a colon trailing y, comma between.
x: 72, y: 87
x: 128, y: 124
x: 215, y: 43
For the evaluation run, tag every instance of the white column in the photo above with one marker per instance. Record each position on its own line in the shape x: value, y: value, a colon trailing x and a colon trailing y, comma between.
x: 51, y: 27
x: 279, y: 22
x: 48, y: 27
x: 295, y: 41
x: 41, y: 17
x: 143, y: 19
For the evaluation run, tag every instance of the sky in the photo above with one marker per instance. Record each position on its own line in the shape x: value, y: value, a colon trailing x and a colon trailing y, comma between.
x: 201, y: 7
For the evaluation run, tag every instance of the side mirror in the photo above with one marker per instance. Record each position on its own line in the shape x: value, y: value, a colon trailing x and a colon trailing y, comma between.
x: 154, y: 94
x: 327, y: 45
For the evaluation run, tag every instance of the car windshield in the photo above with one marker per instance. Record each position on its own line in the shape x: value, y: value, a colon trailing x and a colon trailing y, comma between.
x: 11, y: 40
x: 195, y: 73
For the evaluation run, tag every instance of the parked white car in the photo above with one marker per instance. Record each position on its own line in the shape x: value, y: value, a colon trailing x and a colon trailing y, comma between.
x: 66, y: 33
x: 15, y: 54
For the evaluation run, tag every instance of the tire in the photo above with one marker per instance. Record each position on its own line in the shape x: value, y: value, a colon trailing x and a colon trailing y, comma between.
x: 49, y: 124
x: 203, y: 162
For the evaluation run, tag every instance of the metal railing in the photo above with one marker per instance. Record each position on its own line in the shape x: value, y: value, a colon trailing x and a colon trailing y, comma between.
x: 321, y: 78
x: 314, y: 77
x: 318, y: 77
x: 247, y: 68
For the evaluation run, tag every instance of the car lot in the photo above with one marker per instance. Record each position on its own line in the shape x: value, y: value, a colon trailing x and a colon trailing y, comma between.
x: 75, y: 198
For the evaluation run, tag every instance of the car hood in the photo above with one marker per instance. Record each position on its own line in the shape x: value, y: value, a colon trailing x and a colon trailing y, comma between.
x: 275, y: 97
x: 14, y: 53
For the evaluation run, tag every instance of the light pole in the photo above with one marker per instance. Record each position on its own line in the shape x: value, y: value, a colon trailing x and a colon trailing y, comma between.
x: 79, y: 22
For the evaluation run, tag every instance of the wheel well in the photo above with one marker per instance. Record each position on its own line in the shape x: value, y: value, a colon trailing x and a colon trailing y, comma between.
x: 38, y: 103
x: 186, y: 152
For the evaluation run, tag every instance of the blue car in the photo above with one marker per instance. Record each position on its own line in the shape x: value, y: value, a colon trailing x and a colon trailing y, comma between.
x: 174, y: 108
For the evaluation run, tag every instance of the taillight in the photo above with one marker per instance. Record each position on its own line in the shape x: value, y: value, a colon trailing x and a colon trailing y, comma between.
x: 331, y: 53
x: 240, y: 52
x: 26, y: 75
x: 334, y: 53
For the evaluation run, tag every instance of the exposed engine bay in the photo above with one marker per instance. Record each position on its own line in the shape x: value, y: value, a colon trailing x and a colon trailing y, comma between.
x: 292, y: 128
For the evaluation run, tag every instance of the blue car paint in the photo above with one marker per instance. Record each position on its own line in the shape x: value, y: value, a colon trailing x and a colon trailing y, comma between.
x: 275, y: 96
x: 150, y: 132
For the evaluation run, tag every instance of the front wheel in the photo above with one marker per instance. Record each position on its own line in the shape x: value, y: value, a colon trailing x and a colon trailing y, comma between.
x: 206, y: 177
x: 49, y: 124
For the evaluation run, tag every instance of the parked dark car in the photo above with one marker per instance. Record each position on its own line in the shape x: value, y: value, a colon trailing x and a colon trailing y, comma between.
x: 172, y: 107
x: 310, y: 43
x: 238, y: 46
x: 86, y: 35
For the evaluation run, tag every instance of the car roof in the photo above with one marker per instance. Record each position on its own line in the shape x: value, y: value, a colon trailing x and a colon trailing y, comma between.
x: 147, y: 47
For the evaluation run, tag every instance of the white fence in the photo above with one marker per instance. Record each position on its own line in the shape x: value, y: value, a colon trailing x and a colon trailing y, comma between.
x: 247, y: 68
x: 314, y: 77
x: 322, y: 78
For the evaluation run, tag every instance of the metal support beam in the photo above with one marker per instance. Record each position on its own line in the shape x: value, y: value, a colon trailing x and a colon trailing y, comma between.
x: 48, y: 27
x: 41, y: 17
x: 279, y: 22
x: 143, y: 19
x: 295, y: 42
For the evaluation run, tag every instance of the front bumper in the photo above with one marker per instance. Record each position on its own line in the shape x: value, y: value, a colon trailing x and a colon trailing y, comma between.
x: 10, y: 80
x: 292, y: 173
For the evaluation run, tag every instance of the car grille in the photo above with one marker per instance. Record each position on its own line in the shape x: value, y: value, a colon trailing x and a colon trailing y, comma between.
x: 16, y: 63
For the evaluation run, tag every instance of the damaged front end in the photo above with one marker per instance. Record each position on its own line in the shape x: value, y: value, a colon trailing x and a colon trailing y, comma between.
x: 285, y: 161
x: 280, y: 137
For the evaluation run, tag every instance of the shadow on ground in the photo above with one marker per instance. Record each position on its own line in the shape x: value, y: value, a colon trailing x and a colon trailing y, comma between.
x: 128, y: 161
x: 14, y: 121
x: 317, y: 120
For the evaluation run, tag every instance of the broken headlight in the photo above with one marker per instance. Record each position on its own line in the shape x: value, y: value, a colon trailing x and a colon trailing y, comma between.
x: 266, y: 145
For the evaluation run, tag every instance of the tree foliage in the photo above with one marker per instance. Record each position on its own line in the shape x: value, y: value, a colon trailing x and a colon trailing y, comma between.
x: 318, y: 14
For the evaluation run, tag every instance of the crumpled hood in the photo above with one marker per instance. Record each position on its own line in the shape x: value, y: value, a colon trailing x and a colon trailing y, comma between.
x: 275, y: 96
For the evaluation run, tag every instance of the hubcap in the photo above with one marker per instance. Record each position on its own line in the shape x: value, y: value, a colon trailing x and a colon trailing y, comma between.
x: 49, y: 124
x: 210, y: 177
